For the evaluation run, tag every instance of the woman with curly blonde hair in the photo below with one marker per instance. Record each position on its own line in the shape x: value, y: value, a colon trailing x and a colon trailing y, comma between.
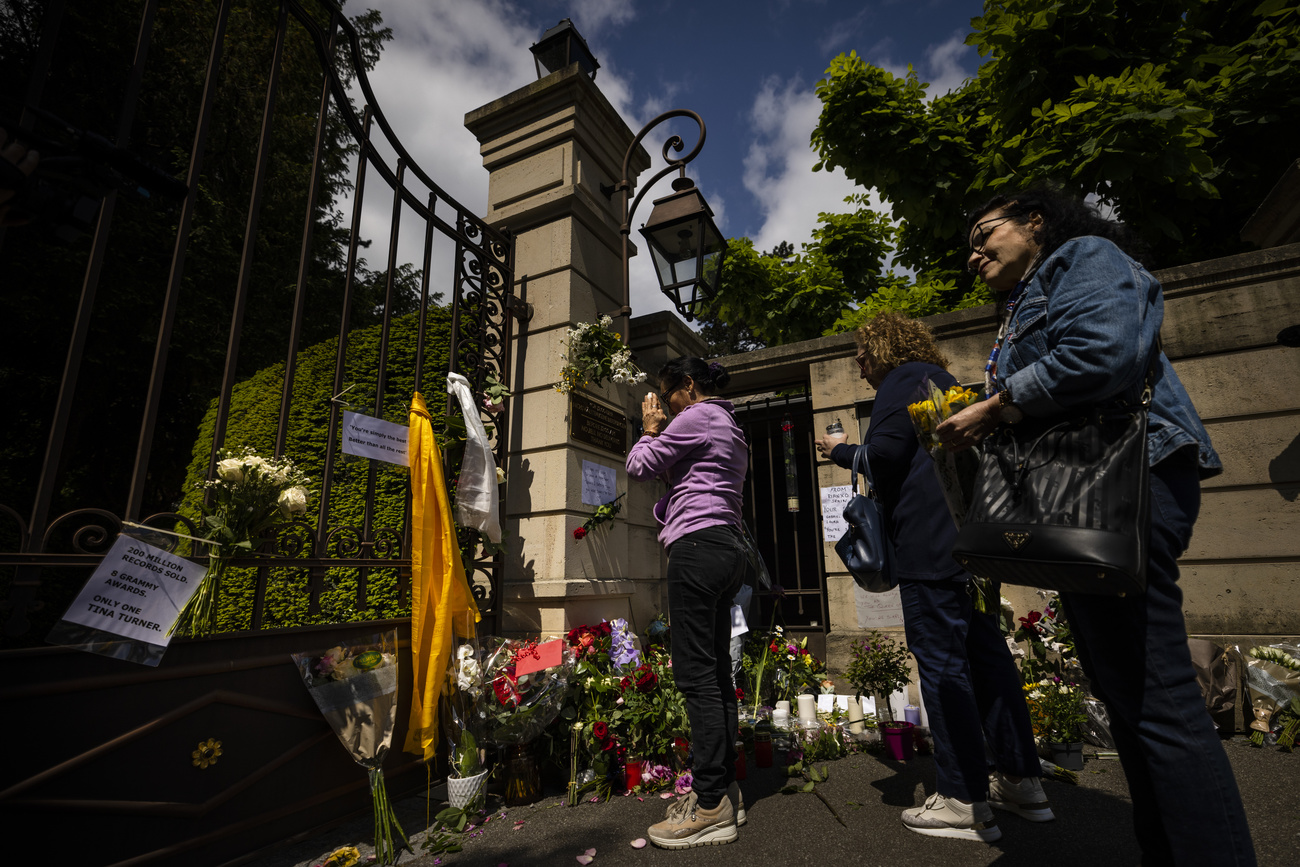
x: 968, y: 680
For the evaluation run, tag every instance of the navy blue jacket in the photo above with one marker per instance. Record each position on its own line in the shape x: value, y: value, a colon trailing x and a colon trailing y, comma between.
x: 916, y: 515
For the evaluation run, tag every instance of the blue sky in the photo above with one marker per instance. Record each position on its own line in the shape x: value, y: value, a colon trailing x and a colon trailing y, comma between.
x: 748, y: 68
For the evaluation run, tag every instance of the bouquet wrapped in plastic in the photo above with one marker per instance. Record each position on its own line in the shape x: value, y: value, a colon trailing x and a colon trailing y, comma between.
x: 355, y: 687
x: 956, y: 472
x: 519, y: 706
x: 1273, y: 685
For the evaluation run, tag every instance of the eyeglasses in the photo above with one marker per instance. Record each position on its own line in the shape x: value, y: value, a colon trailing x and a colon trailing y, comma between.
x: 663, y: 398
x: 981, y: 231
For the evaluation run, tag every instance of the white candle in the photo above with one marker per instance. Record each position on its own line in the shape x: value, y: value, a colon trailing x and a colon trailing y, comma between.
x: 807, y: 708
x: 783, y: 707
x: 781, y: 718
x: 855, y: 715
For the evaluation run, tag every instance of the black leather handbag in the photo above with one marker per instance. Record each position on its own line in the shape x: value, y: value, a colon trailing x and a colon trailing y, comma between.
x: 864, y: 547
x: 1063, y: 504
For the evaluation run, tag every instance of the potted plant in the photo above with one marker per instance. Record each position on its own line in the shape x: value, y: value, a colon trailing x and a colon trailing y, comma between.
x: 1056, y: 708
x: 879, y: 668
x: 462, y: 716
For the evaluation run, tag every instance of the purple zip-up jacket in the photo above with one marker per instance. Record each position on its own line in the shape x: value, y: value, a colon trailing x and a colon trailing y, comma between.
x: 703, y: 457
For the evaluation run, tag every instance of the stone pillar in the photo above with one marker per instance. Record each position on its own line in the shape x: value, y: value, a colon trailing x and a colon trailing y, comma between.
x: 549, y: 147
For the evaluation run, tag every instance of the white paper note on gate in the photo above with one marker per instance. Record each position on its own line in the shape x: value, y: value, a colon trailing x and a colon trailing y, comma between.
x: 834, y: 499
x: 375, y: 438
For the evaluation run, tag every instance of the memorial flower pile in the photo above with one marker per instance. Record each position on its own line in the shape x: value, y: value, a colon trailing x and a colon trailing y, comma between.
x: 594, y: 354
x: 779, y: 667
x: 519, y: 707
x: 243, y: 505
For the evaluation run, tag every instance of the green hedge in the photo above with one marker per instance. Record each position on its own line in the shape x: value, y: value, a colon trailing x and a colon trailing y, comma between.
x: 253, y: 418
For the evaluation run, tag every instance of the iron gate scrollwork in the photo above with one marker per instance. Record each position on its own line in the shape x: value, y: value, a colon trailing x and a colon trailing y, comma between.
x: 57, y: 542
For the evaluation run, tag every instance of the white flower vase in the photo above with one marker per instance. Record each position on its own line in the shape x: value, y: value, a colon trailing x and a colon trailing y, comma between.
x: 463, y: 791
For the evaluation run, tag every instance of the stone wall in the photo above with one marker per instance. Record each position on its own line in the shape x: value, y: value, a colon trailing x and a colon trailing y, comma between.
x: 1241, y: 576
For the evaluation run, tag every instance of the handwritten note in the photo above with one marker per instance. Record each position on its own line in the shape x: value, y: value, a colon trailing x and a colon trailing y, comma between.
x: 597, y: 484
x: 375, y: 438
x: 878, y: 610
x: 834, y: 499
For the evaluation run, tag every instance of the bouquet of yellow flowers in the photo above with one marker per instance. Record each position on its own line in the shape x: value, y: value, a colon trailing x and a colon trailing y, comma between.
x: 956, y: 472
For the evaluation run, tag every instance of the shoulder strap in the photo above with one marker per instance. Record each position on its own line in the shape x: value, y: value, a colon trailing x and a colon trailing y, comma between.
x: 860, y: 457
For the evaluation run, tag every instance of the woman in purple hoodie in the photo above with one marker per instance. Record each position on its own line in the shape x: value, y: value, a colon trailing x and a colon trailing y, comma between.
x: 701, y: 455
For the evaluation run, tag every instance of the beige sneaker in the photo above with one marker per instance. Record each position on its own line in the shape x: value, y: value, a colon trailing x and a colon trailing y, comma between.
x: 948, y: 817
x: 1026, y: 798
x: 737, y: 802
x: 688, y: 825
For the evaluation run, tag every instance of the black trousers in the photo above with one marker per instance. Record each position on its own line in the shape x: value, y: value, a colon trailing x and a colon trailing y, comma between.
x: 705, y: 569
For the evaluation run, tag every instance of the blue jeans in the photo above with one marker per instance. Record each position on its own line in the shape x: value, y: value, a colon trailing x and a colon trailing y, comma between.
x: 971, y: 689
x: 705, y: 569
x: 1186, y: 807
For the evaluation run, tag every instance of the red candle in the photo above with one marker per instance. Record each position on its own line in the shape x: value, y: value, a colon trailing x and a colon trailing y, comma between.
x: 633, y: 768
x: 763, y: 749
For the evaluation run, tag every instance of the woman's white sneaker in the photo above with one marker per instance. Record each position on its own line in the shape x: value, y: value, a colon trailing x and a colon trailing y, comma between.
x: 1026, y: 798
x: 948, y: 817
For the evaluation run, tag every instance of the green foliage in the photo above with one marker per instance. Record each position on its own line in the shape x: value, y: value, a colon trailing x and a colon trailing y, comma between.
x: 878, y: 667
x: 1180, y: 116
x: 254, y: 414
x: 88, y: 76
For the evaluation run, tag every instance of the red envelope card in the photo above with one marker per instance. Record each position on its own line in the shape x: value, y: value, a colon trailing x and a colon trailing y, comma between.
x: 543, y: 656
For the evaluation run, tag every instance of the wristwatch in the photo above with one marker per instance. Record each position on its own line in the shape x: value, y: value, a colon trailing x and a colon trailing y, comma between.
x: 1010, y: 412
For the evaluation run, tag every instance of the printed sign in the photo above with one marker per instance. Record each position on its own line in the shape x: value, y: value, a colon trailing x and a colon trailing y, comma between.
x: 597, y: 484
x: 137, y: 592
x: 374, y: 438
x: 878, y: 610
x: 834, y: 499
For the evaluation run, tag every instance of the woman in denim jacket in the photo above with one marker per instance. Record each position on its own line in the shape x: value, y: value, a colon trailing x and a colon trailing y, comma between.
x: 1080, y: 322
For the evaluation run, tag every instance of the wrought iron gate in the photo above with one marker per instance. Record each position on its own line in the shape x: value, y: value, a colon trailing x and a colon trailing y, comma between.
x: 785, y: 519
x: 132, y: 721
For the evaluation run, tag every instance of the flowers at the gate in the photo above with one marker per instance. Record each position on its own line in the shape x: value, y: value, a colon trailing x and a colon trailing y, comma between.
x: 594, y: 354
x: 779, y: 667
x: 244, y: 504
x: 623, y: 651
x: 1056, y: 710
x: 522, y: 705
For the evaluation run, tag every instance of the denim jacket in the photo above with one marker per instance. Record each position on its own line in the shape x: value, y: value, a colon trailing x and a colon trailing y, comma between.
x: 1083, y: 333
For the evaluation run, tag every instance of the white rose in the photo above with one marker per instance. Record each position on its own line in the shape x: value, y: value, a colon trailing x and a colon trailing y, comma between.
x: 231, y: 470
x: 501, y: 475
x: 292, y: 501
x: 256, y: 462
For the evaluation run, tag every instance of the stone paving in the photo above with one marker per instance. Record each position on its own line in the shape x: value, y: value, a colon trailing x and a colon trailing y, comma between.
x: 1094, y: 825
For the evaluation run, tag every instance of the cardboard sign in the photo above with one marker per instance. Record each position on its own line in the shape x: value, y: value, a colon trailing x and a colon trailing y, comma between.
x: 375, y: 438
x: 136, y: 592
x: 546, y: 655
x: 834, y: 499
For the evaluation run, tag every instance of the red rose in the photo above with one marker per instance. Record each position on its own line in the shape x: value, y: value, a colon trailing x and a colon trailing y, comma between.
x: 740, y: 694
x: 646, y: 679
x: 625, y: 683
x: 1029, y: 621
x: 608, y: 745
x: 600, y: 730
x: 603, y: 629
x: 579, y: 533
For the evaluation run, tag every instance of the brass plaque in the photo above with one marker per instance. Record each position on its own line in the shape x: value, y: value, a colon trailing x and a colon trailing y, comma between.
x: 597, y: 425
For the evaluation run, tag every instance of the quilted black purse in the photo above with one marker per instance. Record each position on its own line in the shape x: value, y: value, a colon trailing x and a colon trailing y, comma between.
x: 864, y: 547
x: 1063, y: 504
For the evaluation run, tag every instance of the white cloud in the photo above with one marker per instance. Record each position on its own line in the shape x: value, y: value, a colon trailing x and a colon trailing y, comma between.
x: 591, y: 17
x: 778, y: 167
x: 944, y: 62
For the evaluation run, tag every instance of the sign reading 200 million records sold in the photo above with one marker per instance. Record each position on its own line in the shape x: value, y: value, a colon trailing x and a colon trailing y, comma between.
x: 137, y: 592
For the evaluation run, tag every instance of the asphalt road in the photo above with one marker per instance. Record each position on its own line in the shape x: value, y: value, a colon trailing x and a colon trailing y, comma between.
x: 1094, y: 825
